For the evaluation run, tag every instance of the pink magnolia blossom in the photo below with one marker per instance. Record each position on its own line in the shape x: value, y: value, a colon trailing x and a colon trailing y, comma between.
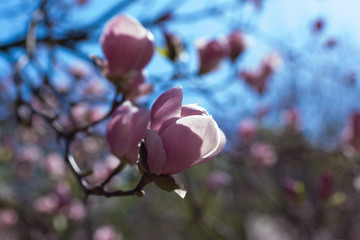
x: 211, y: 53
x: 127, y: 45
x: 351, y: 133
x: 126, y: 129
x: 237, y: 44
x: 180, y: 136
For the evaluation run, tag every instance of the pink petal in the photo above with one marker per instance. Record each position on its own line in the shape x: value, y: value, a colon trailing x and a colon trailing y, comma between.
x: 166, y: 109
x: 155, y: 152
x: 139, y: 122
x: 222, y: 142
x: 188, y: 140
x: 147, y: 51
x: 121, y: 58
x: 193, y: 109
x: 118, y: 131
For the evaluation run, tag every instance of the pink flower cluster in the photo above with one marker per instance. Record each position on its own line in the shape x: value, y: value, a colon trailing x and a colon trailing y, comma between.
x: 177, y: 137
x: 258, y: 79
x: 212, y: 52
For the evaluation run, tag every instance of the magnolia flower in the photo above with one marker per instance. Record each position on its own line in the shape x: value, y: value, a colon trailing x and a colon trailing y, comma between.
x: 237, y: 44
x: 211, y: 53
x: 125, y: 130
x: 127, y: 45
x: 180, y: 136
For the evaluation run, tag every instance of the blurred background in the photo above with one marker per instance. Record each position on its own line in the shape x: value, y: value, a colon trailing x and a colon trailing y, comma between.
x: 288, y: 104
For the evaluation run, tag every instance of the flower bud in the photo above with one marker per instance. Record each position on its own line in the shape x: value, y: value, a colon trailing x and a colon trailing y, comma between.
x: 237, y: 44
x: 125, y: 131
x: 258, y: 79
x: 211, y: 53
x: 127, y: 45
x: 174, y: 46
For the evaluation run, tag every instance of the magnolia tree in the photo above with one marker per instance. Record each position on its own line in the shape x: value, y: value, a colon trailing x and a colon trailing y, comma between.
x: 78, y: 127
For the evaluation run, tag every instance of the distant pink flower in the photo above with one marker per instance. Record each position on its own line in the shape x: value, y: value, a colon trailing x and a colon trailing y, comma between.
x: 180, y: 136
x: 82, y: 2
x: 263, y: 153
x: 127, y: 45
x: 63, y: 193
x: 325, y: 185
x: 246, y: 130
x: 75, y: 210
x: 30, y: 153
x: 211, y: 53
x: 105, y: 233
x: 136, y: 87
x: 48, y: 204
x: 55, y: 165
x: 237, y: 44
x: 8, y: 218
x: 258, y: 79
x: 351, y: 133
x: 126, y: 129
x: 217, y: 180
